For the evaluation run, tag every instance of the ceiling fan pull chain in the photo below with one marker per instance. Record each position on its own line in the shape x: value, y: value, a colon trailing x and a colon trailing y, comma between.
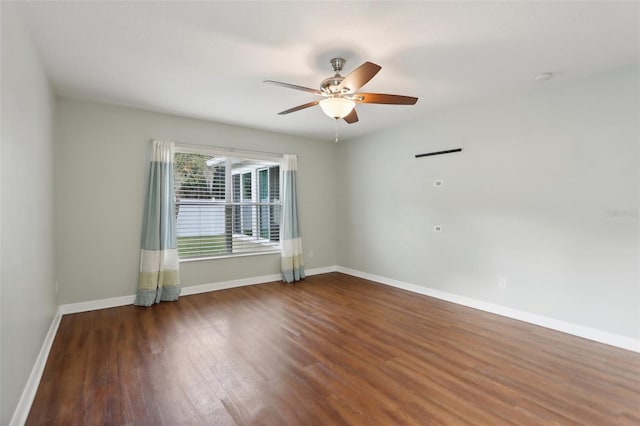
x: 336, y: 141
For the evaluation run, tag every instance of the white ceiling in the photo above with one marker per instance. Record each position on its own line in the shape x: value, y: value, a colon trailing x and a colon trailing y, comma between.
x: 208, y: 59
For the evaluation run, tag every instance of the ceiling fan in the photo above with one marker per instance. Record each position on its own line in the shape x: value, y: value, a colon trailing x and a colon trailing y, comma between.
x: 341, y: 95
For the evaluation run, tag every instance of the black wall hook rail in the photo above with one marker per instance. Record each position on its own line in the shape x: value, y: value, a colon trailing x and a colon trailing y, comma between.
x: 449, y: 151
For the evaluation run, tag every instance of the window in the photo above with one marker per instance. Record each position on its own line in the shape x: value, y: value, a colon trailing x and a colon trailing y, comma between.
x: 269, y: 196
x: 226, y: 205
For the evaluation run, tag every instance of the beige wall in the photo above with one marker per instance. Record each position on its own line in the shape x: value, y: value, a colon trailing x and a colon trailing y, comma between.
x: 27, y: 273
x: 102, y: 156
x: 544, y: 195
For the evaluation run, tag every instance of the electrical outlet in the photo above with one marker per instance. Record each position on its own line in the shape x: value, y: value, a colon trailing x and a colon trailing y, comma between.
x: 438, y: 183
x: 311, y: 254
x: 437, y: 228
x: 502, y: 283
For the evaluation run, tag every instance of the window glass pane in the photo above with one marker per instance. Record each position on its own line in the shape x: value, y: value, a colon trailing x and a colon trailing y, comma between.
x: 246, y: 187
x: 263, y: 195
x: 274, y: 183
x: 263, y: 183
x: 218, y: 182
x: 236, y: 208
x: 274, y: 198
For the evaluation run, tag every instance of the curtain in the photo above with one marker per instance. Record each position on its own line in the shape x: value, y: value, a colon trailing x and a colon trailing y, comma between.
x: 292, y: 264
x: 159, y: 276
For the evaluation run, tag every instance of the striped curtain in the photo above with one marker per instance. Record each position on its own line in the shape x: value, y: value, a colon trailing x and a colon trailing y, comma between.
x: 292, y: 264
x: 159, y: 276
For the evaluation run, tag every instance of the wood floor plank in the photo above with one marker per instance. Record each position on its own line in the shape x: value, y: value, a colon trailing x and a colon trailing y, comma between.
x: 331, y: 350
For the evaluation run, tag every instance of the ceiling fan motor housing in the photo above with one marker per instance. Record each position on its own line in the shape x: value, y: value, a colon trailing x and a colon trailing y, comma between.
x: 330, y: 85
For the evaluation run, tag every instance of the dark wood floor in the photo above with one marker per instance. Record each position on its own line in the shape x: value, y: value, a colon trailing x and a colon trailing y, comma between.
x: 331, y: 350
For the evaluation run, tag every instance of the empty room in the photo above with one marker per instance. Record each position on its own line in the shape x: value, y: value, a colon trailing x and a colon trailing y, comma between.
x: 319, y: 212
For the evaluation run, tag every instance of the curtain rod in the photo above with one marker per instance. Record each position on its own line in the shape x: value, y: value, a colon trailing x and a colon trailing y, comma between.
x: 228, y: 149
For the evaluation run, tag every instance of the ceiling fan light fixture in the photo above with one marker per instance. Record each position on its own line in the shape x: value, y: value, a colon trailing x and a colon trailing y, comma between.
x: 337, y: 107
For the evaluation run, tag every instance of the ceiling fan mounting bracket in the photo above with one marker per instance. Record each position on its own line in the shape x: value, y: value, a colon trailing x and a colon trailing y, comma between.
x: 337, y: 64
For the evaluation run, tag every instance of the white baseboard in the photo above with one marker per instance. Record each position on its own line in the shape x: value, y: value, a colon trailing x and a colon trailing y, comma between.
x: 594, y: 334
x: 204, y: 288
x: 323, y: 270
x: 223, y: 285
x: 29, y: 393
x: 113, y: 302
x: 92, y: 305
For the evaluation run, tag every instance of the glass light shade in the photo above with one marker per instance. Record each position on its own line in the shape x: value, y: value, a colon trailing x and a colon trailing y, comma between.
x: 337, y: 107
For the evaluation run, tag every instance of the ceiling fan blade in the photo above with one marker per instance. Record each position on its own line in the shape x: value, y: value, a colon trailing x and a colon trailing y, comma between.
x: 352, y: 117
x: 380, y: 98
x: 293, y: 86
x: 299, y: 107
x: 359, y: 77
